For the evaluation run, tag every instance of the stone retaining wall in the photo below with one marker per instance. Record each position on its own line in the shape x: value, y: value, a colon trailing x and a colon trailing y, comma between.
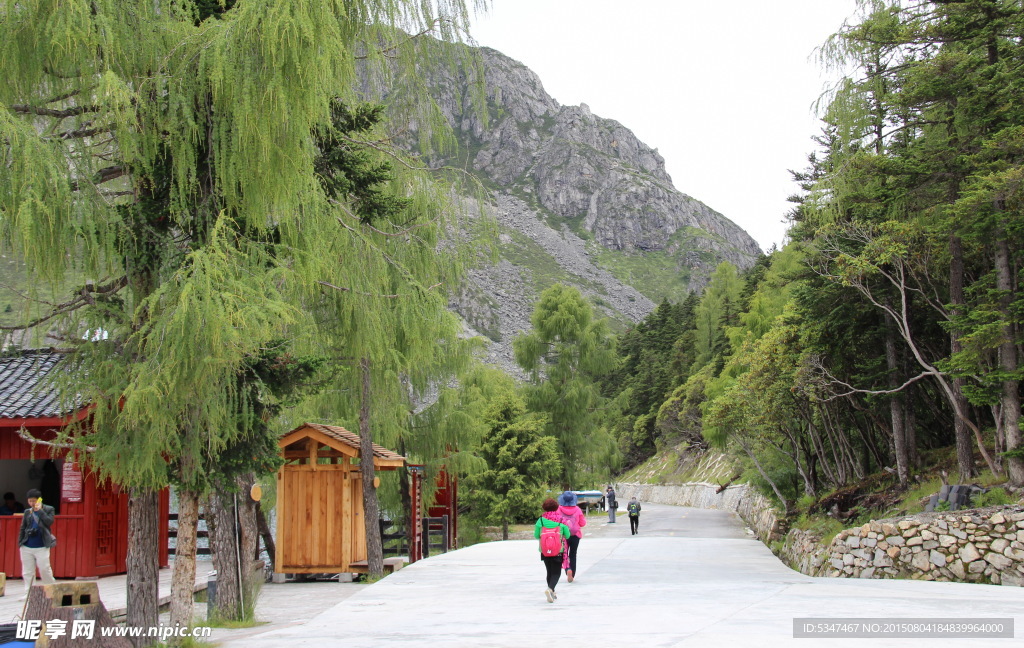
x: 980, y: 545
x: 804, y: 552
x: 755, y: 509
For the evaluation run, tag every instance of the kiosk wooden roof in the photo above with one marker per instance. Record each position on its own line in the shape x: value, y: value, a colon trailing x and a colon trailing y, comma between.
x: 321, y: 527
x: 313, y: 441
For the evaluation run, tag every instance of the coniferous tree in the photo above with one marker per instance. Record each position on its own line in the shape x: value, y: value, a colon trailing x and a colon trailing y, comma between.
x: 520, y: 460
x: 171, y: 158
x: 566, y: 354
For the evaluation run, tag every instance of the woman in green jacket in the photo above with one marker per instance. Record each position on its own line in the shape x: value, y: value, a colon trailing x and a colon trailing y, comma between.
x: 558, y: 533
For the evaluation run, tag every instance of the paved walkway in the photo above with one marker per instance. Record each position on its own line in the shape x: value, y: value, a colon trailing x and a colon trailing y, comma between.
x: 690, y: 578
x: 113, y: 592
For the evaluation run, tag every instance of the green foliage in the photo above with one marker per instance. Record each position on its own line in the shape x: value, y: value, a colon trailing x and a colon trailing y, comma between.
x: 565, y: 354
x: 645, y: 375
x: 133, y: 153
x: 994, y: 497
x: 718, y: 309
x: 520, y: 461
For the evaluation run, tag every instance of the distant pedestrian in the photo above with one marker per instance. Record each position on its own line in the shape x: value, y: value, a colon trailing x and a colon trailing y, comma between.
x: 609, y: 496
x: 573, y: 517
x: 633, y: 508
x: 35, y: 540
x: 552, y: 533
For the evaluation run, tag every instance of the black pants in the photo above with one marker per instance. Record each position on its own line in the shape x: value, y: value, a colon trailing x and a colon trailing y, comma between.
x: 574, y: 543
x: 553, y: 565
x: 634, y: 524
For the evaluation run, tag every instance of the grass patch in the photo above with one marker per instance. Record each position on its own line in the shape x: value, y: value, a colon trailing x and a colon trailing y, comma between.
x: 234, y: 625
x: 917, y: 498
x: 822, y: 526
x: 661, y: 274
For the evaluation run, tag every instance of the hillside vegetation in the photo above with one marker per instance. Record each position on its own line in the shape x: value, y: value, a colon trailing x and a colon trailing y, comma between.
x: 883, y: 344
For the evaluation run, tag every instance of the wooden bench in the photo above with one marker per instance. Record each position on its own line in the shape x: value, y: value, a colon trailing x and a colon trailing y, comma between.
x: 391, y: 565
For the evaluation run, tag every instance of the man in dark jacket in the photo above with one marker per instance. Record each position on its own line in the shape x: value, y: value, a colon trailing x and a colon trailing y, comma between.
x: 633, y: 508
x: 35, y: 540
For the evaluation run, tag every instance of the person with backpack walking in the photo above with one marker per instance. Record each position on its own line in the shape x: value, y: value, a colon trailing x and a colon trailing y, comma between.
x: 553, y: 534
x: 573, y: 517
x: 633, y: 508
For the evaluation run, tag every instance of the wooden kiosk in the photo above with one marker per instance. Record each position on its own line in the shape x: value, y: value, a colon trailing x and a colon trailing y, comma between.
x: 320, y: 521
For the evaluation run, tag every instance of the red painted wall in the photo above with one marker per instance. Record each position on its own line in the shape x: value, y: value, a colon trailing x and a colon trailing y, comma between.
x: 92, y: 535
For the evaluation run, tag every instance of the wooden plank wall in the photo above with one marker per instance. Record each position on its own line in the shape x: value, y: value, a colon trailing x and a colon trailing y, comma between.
x: 320, y: 518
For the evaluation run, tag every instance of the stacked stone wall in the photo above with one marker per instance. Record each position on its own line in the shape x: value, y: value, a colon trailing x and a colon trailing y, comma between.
x: 980, y: 545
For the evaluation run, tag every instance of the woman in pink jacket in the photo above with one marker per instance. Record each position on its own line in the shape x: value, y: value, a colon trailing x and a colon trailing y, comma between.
x: 572, y: 517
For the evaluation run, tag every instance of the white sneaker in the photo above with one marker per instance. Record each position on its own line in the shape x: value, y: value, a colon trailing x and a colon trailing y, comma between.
x: 550, y: 595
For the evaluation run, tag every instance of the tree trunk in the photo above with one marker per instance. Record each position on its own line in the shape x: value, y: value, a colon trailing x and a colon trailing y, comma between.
x: 899, y: 438
x: 224, y: 544
x: 1008, y: 362
x: 371, y: 509
x: 964, y: 450
x: 249, y: 545
x: 910, y: 427
x: 184, y: 576
x: 265, y: 533
x: 247, y: 526
x: 143, y: 562
x: 809, y: 488
x: 757, y: 464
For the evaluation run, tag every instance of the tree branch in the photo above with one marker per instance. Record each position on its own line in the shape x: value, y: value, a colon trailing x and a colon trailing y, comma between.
x: 85, y: 296
x: 24, y: 434
x: 50, y: 112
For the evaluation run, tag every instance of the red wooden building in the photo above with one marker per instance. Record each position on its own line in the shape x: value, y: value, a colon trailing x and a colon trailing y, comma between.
x: 445, y: 505
x: 91, y: 524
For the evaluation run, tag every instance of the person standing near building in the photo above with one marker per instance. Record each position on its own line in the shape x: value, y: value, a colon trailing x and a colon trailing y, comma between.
x: 552, y: 533
x: 35, y: 540
x: 609, y: 496
x: 11, y: 506
x: 573, y: 517
x: 633, y: 508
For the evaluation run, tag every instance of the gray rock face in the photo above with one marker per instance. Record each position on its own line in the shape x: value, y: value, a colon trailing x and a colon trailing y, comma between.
x: 580, y: 201
x: 590, y: 172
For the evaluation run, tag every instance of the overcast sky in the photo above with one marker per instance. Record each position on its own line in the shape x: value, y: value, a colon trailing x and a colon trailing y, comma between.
x: 724, y: 91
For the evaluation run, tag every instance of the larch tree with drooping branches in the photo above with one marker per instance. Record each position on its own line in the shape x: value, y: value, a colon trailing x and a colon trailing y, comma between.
x: 167, y: 152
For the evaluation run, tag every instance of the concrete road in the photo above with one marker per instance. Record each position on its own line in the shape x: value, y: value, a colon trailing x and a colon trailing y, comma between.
x: 692, y: 578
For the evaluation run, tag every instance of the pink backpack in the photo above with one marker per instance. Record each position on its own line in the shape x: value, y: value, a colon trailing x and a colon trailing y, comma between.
x: 571, y: 521
x: 551, y: 541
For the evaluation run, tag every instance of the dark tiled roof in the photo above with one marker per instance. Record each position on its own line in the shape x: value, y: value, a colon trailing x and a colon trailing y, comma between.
x: 27, y: 388
x: 350, y: 439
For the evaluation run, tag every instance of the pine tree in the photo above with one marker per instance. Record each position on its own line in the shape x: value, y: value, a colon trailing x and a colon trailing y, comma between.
x: 565, y: 354
x: 170, y: 155
x: 520, y: 460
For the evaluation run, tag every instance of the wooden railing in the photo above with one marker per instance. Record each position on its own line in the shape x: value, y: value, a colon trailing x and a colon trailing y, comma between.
x: 201, y: 534
x: 435, y: 534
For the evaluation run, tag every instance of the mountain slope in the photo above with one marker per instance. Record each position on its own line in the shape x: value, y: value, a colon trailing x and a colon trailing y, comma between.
x: 580, y: 200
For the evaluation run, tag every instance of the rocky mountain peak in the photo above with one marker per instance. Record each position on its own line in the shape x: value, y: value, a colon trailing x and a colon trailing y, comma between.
x: 580, y: 200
